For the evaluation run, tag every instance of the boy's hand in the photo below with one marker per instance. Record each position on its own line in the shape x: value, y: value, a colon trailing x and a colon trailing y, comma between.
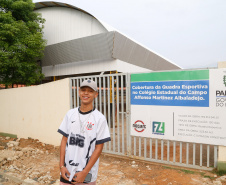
x: 64, y: 171
x: 79, y: 177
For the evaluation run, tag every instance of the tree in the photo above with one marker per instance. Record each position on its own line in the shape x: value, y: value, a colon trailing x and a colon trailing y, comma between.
x: 21, y: 43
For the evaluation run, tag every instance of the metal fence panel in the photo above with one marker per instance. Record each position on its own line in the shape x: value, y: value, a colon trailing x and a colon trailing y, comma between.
x: 114, y: 102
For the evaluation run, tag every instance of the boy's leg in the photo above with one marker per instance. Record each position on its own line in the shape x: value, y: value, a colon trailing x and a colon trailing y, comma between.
x: 61, y: 183
x: 91, y: 183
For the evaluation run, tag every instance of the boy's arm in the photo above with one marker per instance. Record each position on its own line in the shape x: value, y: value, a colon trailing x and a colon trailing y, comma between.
x: 96, y: 154
x: 63, y: 169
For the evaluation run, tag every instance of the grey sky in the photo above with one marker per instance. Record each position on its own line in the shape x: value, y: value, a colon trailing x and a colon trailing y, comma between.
x: 189, y: 33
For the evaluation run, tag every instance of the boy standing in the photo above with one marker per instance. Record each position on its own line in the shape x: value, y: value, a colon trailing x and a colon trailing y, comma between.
x: 84, y: 131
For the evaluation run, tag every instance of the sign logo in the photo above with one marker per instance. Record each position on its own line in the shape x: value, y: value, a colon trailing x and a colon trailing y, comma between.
x: 224, y: 80
x: 139, y: 126
x: 158, y: 128
x: 221, y: 95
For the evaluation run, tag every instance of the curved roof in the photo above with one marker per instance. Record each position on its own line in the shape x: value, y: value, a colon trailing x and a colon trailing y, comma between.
x: 66, y: 22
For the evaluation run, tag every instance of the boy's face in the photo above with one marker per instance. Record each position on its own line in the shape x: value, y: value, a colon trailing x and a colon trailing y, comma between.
x: 87, y: 95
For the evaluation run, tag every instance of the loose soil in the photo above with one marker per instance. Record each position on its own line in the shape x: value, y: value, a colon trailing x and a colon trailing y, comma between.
x: 43, y: 159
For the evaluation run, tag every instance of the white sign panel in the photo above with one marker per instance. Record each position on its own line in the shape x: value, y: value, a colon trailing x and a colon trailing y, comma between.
x: 187, y: 106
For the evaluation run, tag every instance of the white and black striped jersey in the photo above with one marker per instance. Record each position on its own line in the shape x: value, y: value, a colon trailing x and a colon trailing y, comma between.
x: 84, y: 131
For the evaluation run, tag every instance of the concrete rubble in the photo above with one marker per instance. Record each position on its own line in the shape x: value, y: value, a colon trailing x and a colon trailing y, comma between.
x: 33, y: 166
x: 16, y: 171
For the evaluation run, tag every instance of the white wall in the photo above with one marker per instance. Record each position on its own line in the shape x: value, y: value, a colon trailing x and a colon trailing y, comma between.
x: 35, y: 111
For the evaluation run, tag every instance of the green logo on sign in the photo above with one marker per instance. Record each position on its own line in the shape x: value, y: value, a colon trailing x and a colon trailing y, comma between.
x: 158, y: 128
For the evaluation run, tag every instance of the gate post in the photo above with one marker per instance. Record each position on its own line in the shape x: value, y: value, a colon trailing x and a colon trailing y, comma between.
x: 221, y: 162
x: 70, y: 92
x: 128, y: 114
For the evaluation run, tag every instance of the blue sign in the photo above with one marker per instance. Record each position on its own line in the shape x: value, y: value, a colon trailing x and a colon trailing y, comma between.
x: 193, y: 93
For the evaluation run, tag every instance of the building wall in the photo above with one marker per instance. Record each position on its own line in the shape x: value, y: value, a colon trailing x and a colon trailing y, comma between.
x: 90, y: 67
x: 35, y: 111
x: 63, y: 24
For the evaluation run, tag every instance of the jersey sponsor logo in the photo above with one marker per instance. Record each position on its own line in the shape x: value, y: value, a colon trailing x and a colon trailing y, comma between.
x: 72, y: 163
x: 89, y: 126
x: 72, y: 121
x: 77, y: 140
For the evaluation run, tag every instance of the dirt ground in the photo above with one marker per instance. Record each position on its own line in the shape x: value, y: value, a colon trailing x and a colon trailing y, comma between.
x: 30, y: 161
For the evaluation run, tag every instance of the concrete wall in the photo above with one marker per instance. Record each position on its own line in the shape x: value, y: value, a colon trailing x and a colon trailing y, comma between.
x: 221, y: 64
x: 221, y: 164
x: 35, y: 111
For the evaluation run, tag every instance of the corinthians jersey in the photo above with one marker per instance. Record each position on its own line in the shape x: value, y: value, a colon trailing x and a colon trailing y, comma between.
x: 84, y: 131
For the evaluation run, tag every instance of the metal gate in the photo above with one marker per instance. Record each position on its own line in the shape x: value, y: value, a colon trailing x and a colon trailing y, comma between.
x: 114, y: 102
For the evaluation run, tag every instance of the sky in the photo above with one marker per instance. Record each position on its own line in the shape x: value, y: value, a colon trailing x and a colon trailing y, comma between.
x: 189, y: 33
